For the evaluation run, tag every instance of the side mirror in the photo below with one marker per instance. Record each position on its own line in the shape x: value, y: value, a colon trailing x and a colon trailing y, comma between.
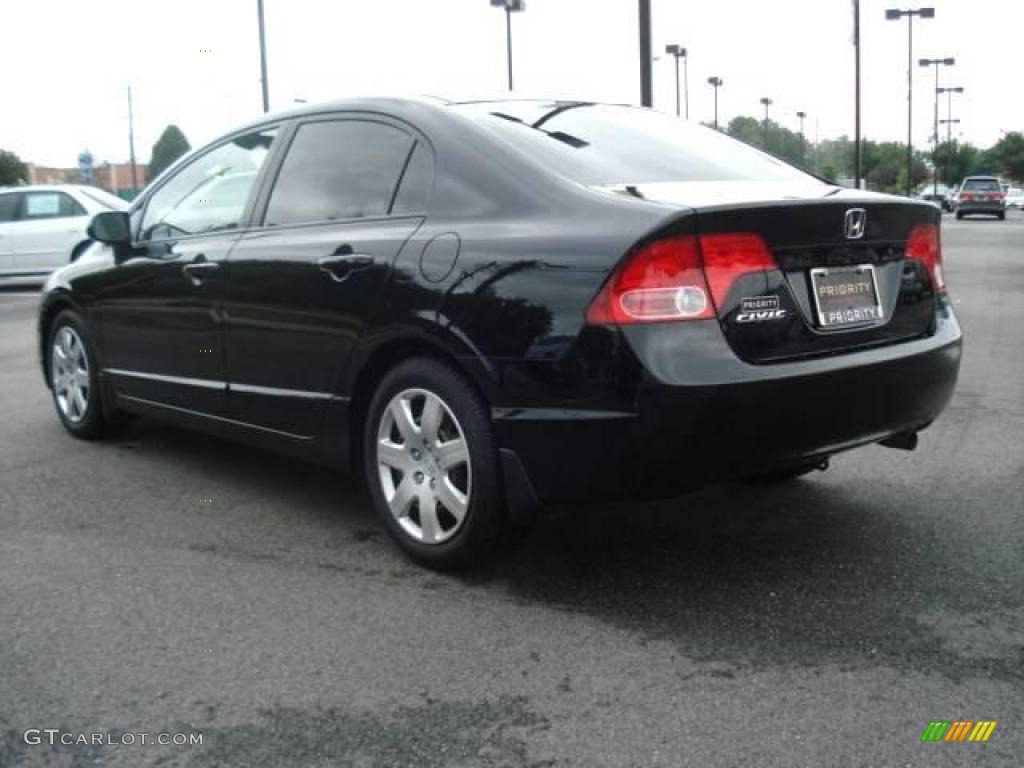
x: 112, y: 227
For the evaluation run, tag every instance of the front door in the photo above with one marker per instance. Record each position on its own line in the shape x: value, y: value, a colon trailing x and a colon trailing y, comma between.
x: 160, y: 316
x: 304, y: 284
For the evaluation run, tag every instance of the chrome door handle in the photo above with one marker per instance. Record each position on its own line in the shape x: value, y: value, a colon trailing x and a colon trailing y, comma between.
x: 339, y: 267
x: 195, y: 270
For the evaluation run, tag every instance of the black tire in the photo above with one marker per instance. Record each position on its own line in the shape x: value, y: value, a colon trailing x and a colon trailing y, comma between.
x: 959, y: 215
x: 480, y: 534
x: 93, y: 423
x: 1002, y: 216
x: 78, y: 250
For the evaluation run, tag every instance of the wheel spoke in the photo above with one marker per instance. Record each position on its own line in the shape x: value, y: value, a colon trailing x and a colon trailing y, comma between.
x: 401, y: 411
x: 78, y: 396
x: 403, y: 497
x: 454, y: 500
x: 428, y: 519
x: 393, y: 455
x: 431, y: 418
x: 452, y: 453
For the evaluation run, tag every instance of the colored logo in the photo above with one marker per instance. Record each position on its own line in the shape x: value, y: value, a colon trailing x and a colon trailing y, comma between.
x: 958, y: 730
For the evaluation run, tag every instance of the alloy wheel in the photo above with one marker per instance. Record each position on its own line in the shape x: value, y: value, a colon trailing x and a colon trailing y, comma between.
x: 69, y: 374
x: 424, y: 466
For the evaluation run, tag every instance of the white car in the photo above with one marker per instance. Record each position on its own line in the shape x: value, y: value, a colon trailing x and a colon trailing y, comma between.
x: 43, y: 228
x: 1015, y: 198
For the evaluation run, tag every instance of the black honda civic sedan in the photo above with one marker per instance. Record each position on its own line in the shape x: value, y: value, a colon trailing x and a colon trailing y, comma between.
x: 486, y: 307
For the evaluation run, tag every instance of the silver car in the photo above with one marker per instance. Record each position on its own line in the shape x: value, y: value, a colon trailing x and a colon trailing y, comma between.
x: 43, y: 227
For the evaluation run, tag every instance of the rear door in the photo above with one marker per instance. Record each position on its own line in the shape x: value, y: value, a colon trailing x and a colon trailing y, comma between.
x: 49, y: 225
x: 304, y: 283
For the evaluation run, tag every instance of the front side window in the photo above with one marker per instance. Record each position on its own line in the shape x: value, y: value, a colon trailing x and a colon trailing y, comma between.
x: 210, y: 193
x: 9, y: 206
x: 338, y: 169
x: 50, y: 205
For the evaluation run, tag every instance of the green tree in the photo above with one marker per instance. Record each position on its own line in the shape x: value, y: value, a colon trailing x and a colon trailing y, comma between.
x: 1008, y: 154
x: 12, y: 170
x: 782, y: 142
x: 955, y: 160
x: 171, y: 145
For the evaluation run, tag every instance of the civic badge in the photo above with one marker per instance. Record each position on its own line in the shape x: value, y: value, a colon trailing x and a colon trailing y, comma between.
x: 855, y: 224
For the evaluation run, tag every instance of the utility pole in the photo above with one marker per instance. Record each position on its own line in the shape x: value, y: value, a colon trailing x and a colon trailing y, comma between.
x: 767, y: 103
x: 895, y: 15
x: 263, y: 57
x: 510, y: 6
x: 856, y: 78
x: 644, y: 18
x: 716, y: 83
x: 935, y: 136
x: 131, y: 144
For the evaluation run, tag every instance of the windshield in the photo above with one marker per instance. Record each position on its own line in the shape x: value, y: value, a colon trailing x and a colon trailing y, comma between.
x: 600, y: 144
x: 983, y: 185
x: 105, y: 199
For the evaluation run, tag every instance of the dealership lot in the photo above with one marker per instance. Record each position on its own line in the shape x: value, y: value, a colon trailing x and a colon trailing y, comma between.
x: 168, y: 582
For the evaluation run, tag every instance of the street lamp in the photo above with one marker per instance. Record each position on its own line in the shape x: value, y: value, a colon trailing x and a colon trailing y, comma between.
x: 767, y: 103
x: 263, y: 56
x: 716, y: 83
x: 801, y: 115
x: 679, y: 52
x: 510, y: 6
x: 895, y: 14
x: 949, y: 91
x: 948, y: 62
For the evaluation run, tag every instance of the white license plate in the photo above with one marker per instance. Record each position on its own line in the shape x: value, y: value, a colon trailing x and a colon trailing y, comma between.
x: 845, y: 296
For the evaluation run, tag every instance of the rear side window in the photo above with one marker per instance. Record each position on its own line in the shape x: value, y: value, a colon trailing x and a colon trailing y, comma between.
x: 983, y: 185
x: 50, y: 205
x: 415, y: 187
x: 8, y: 207
x: 338, y: 169
x: 600, y: 144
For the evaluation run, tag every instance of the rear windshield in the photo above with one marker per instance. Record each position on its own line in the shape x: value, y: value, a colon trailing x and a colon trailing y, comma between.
x: 600, y: 144
x: 983, y: 185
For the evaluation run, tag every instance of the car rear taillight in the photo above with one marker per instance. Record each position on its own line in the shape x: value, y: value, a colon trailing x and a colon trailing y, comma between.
x: 923, y: 247
x: 728, y: 256
x: 966, y: 196
x: 658, y: 282
x: 678, y: 278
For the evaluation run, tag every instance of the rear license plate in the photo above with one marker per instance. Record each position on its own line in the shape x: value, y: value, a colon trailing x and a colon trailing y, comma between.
x: 846, y: 295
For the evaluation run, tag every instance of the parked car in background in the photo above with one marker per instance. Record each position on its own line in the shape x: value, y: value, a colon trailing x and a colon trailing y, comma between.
x: 981, y: 194
x: 941, y: 195
x: 1015, y: 198
x: 43, y: 227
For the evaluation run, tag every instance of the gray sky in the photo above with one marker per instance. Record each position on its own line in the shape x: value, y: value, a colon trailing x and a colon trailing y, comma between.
x: 67, y: 63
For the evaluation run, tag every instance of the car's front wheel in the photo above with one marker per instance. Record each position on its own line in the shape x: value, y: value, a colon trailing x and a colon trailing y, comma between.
x: 74, y: 376
x: 431, y: 465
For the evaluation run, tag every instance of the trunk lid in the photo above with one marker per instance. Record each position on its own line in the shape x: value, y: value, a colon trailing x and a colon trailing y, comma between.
x: 834, y: 289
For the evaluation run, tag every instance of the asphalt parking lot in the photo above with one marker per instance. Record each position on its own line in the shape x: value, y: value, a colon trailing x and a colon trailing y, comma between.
x: 168, y: 582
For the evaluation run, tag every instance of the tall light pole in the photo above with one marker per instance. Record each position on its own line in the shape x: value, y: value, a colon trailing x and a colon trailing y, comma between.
x: 801, y: 116
x: 949, y: 91
x: 131, y: 144
x: 856, y: 86
x: 679, y: 52
x: 263, y: 57
x: 644, y: 24
x: 949, y: 127
x: 767, y: 103
x: 510, y: 6
x: 716, y: 83
x: 895, y: 14
x: 948, y: 62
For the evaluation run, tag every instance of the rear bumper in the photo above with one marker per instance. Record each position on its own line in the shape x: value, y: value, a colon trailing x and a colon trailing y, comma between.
x: 991, y: 208
x: 721, y: 418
